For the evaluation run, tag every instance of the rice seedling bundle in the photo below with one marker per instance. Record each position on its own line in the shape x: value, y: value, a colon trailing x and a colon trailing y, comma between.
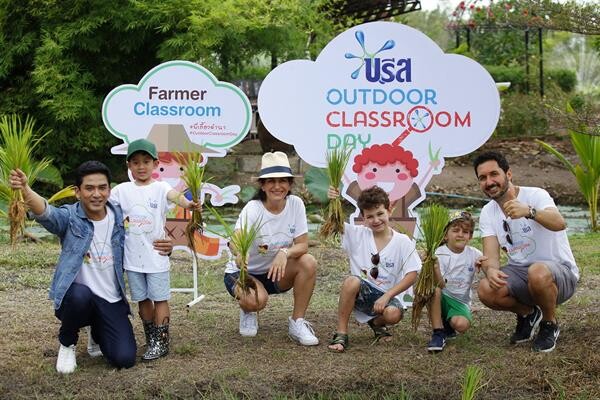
x: 193, y: 176
x: 337, y: 160
x: 433, y: 221
x: 241, y: 240
x: 18, y: 142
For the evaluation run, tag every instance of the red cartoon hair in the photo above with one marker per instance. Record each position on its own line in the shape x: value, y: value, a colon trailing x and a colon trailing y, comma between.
x: 384, y: 154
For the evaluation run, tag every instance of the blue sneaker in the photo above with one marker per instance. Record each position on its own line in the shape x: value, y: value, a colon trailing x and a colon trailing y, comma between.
x: 449, y: 330
x: 438, y: 341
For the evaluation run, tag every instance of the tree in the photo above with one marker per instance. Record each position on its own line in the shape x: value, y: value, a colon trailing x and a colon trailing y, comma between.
x: 61, y: 58
x: 231, y: 37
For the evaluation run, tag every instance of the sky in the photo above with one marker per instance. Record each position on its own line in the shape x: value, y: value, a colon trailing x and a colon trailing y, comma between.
x: 451, y: 4
x: 433, y: 4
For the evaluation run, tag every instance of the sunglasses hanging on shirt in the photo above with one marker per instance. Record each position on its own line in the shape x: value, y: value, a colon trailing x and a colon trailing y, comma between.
x: 374, y: 272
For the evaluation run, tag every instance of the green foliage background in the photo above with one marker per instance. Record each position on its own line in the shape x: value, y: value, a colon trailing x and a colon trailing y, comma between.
x: 61, y: 58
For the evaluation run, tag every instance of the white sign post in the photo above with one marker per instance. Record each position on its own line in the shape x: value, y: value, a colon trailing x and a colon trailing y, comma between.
x: 391, y: 94
x: 182, y: 107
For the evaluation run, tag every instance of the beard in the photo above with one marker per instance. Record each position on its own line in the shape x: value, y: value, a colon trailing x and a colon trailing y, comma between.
x: 503, y: 188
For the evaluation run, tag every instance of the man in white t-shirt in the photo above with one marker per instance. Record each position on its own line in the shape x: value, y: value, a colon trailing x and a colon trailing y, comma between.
x: 541, y: 271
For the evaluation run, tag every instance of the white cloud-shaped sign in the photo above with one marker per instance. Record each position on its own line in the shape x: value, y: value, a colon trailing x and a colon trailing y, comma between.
x: 372, y: 83
x: 179, y: 105
x: 384, y: 89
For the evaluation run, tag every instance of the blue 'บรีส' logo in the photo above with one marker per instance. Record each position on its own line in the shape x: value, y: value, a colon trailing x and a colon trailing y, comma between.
x: 377, y: 69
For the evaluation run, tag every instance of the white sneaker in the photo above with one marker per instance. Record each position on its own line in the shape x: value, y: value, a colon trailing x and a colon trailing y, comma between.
x: 248, y: 323
x: 301, y: 331
x: 93, y: 348
x: 66, y: 363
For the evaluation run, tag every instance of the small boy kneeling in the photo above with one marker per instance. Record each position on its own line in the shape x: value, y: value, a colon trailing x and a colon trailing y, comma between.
x: 449, y: 308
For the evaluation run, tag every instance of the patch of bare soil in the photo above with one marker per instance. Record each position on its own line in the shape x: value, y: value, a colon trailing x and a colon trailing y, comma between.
x: 531, y: 166
x: 209, y: 359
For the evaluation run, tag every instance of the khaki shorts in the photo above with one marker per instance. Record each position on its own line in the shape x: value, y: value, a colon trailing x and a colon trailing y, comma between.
x: 518, y: 278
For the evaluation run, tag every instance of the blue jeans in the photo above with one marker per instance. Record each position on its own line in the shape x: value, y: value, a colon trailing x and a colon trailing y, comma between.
x: 110, y: 324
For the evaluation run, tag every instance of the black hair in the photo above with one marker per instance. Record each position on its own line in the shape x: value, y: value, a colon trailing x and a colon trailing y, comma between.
x: 372, y: 198
x: 491, y: 156
x: 91, y: 167
x: 262, y: 196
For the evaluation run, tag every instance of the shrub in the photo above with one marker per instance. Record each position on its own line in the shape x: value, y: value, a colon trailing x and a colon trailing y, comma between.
x: 522, y: 115
x: 514, y: 75
x: 565, y: 79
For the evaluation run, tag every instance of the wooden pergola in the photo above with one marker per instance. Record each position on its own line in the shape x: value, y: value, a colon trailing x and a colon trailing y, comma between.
x: 360, y: 11
x: 530, y: 17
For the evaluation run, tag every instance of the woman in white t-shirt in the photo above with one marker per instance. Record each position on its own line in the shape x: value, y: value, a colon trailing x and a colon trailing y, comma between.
x: 278, y: 259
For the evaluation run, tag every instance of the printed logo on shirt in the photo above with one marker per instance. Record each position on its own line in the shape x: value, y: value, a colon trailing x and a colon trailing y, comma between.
x: 101, y: 260
x: 140, y: 221
x: 292, y: 228
x: 153, y: 204
x: 522, y: 247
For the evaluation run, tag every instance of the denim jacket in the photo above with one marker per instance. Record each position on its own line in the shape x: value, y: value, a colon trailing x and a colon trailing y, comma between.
x: 75, y: 231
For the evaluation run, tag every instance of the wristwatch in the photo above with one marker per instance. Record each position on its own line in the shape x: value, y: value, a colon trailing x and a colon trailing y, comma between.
x: 532, y: 213
x: 284, y: 250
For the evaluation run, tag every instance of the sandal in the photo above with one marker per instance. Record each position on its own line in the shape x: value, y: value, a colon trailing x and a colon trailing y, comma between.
x: 339, y: 338
x: 379, y: 331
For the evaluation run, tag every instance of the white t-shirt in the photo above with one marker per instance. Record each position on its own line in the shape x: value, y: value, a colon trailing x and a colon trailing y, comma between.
x: 458, y: 269
x: 277, y: 231
x: 531, y: 241
x: 144, y: 210
x: 396, y: 259
x: 97, y: 270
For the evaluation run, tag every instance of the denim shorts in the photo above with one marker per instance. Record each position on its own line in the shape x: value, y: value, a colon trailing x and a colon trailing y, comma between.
x: 368, y: 295
x: 518, y: 288
x: 153, y: 286
x: 271, y: 287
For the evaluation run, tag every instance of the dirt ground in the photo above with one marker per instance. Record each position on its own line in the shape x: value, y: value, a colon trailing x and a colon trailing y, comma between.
x: 531, y: 166
x: 210, y: 360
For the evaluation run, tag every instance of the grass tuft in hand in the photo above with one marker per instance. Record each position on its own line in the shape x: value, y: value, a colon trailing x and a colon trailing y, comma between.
x: 18, y: 142
x: 432, y: 226
x: 193, y: 176
x: 337, y: 160
x: 240, y: 243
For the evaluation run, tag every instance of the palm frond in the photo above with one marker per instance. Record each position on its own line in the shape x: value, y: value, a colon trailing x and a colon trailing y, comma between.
x: 64, y: 193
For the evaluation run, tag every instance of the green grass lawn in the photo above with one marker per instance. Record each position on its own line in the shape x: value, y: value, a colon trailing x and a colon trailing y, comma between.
x: 209, y: 359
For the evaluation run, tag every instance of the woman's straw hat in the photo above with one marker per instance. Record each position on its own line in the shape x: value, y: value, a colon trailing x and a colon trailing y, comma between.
x: 275, y: 165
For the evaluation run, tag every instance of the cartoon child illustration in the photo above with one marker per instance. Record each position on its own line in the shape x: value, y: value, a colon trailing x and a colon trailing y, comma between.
x: 394, y: 169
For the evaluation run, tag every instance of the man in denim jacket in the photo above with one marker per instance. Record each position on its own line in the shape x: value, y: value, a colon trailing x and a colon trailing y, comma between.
x: 88, y: 286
